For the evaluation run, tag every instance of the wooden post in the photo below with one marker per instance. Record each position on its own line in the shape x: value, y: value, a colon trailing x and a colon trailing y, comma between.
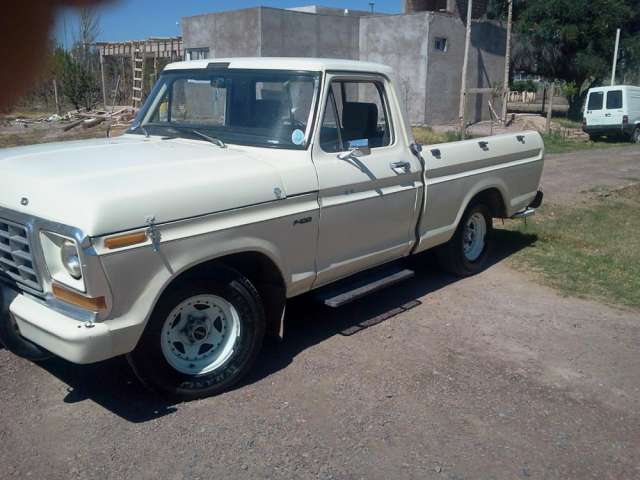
x: 550, y: 108
x: 463, y: 88
x: 115, y: 94
x: 507, y: 60
x: 55, y: 95
x: 104, y: 88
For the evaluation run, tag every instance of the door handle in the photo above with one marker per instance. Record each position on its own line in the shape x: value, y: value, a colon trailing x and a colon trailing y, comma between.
x: 607, y: 114
x: 401, y: 167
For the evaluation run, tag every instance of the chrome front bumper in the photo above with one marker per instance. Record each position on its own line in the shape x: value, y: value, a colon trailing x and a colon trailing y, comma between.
x: 74, y: 340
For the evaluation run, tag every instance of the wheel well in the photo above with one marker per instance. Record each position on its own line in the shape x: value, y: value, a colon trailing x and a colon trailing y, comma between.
x: 493, y: 199
x: 260, y: 270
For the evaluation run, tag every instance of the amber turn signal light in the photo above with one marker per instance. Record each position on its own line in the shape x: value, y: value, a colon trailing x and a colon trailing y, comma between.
x: 88, y: 303
x: 125, y: 240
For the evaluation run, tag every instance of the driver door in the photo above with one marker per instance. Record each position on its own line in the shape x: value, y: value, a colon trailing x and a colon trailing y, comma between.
x: 368, y: 179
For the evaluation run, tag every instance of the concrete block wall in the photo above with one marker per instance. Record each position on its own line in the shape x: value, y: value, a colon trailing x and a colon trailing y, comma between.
x: 427, y: 80
x: 402, y: 42
x: 485, y: 70
x: 286, y: 33
x: 226, y: 34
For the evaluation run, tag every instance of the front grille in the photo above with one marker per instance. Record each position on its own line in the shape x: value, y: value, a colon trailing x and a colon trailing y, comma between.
x: 16, y: 258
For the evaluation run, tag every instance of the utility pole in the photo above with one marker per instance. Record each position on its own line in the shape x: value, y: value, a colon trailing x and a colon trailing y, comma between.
x: 507, y: 61
x: 615, y: 59
x: 463, y: 88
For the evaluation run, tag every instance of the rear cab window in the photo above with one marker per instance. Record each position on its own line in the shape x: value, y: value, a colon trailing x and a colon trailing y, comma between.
x: 614, y: 99
x: 596, y: 100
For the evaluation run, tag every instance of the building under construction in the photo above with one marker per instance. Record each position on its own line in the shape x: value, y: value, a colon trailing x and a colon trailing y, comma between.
x: 129, y: 69
x: 424, y: 45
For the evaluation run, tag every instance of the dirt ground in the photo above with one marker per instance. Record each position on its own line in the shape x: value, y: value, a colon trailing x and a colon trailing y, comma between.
x: 491, y: 377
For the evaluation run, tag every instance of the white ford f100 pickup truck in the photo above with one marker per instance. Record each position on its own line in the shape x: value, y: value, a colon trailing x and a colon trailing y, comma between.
x: 242, y: 183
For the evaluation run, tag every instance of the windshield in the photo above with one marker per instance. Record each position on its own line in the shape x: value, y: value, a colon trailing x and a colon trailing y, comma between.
x: 246, y: 107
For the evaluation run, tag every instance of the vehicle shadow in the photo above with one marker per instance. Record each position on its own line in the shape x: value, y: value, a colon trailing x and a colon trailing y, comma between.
x: 112, y: 384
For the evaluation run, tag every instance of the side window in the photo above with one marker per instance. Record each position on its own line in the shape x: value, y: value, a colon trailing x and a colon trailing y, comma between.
x: 614, y: 99
x: 595, y: 101
x: 356, y: 115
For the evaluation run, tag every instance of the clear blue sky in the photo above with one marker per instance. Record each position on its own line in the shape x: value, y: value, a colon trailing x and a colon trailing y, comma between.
x: 139, y: 19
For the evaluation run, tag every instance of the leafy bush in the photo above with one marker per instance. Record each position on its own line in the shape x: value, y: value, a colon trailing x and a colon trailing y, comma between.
x: 524, y: 86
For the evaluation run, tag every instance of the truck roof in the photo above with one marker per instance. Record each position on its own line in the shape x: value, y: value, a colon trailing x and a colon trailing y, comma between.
x: 286, y: 63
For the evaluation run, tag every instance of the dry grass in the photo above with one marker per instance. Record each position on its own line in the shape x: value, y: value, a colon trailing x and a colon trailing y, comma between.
x: 592, y: 251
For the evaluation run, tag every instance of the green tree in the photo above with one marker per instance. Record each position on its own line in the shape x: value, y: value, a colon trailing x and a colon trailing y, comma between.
x: 79, y: 82
x: 573, y: 41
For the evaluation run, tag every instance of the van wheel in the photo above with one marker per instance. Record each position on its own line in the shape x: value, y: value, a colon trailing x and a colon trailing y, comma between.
x: 594, y: 138
x: 635, y: 136
x: 202, y: 338
x: 467, y: 251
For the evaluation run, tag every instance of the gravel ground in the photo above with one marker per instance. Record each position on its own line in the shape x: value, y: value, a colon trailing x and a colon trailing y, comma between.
x: 491, y: 377
x: 575, y: 177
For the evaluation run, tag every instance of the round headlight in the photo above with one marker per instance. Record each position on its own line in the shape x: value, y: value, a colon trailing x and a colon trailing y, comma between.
x: 71, y: 259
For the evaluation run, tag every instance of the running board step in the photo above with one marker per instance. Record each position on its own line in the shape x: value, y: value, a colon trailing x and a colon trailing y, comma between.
x: 362, y: 284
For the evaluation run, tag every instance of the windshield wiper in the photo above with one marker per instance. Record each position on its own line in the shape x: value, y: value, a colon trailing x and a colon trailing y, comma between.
x: 214, y: 140
x: 140, y: 127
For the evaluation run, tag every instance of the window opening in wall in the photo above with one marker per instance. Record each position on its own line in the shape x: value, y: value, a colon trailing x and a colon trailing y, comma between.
x: 441, y: 44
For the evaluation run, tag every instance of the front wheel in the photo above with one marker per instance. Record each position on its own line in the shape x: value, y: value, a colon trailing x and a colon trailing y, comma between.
x: 202, y: 338
x: 18, y: 345
x: 10, y: 335
x: 467, y: 251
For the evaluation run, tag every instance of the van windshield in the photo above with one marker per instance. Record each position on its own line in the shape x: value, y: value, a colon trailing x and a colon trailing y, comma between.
x: 238, y: 106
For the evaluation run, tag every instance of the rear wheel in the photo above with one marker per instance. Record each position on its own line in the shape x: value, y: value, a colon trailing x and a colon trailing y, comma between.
x: 467, y: 251
x: 595, y: 138
x: 635, y: 136
x: 202, y: 338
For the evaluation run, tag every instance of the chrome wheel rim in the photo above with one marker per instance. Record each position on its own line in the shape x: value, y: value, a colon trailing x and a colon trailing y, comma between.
x: 200, y: 334
x: 473, y: 237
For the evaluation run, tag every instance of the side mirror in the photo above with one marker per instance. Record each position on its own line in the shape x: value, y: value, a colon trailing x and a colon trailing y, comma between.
x: 355, y: 153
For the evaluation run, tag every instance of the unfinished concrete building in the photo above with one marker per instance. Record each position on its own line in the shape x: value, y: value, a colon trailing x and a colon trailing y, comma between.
x: 425, y: 48
x: 455, y: 7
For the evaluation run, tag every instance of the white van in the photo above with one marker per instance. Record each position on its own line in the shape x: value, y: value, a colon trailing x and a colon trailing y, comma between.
x: 613, y: 111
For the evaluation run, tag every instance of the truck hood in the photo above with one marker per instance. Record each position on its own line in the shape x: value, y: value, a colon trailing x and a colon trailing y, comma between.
x: 109, y: 185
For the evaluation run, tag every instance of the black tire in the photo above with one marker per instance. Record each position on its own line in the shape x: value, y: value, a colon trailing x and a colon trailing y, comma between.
x: 10, y: 334
x: 635, y: 136
x: 451, y: 256
x: 153, y: 369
